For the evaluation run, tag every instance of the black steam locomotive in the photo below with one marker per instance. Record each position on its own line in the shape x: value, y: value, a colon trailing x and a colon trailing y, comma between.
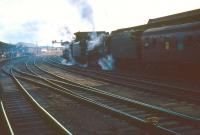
x: 88, y: 47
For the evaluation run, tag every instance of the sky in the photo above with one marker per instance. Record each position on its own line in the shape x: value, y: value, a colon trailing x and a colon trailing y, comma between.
x: 41, y: 21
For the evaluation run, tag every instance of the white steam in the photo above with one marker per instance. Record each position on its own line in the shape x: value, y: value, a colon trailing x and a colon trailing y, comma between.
x: 70, y: 60
x: 66, y: 33
x: 67, y: 63
x: 85, y: 10
x: 95, y: 40
x: 106, y: 62
x: 83, y: 65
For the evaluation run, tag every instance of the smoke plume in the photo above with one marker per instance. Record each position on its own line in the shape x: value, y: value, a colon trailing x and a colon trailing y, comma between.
x: 85, y: 10
x: 70, y: 60
x: 66, y: 33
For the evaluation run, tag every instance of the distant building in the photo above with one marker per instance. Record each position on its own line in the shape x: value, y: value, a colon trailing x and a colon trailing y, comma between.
x: 7, y: 50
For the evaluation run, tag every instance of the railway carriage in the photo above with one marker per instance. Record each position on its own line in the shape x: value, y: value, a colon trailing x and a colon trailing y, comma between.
x: 176, y: 46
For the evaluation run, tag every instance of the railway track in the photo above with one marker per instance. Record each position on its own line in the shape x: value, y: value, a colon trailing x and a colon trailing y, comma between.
x: 119, y: 126
x: 171, y: 103
x: 21, y: 112
x: 5, y: 124
x: 159, y: 88
x: 91, y: 121
x: 174, y: 103
x: 38, y: 81
x: 165, y: 121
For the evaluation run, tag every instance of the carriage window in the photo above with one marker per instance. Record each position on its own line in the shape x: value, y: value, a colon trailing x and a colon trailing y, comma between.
x: 167, y: 44
x: 146, y: 42
x: 180, y: 42
x: 180, y: 46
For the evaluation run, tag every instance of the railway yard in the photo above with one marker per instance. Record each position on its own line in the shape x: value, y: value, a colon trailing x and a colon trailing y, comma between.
x: 40, y: 95
x: 84, y: 67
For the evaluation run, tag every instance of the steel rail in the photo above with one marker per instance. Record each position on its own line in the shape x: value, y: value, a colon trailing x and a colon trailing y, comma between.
x: 49, y: 117
x: 5, y: 117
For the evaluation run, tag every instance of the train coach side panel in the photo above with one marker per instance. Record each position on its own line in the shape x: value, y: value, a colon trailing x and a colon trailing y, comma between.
x: 172, y: 44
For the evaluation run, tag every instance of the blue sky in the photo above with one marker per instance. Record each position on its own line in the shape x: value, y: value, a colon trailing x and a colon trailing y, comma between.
x: 42, y: 21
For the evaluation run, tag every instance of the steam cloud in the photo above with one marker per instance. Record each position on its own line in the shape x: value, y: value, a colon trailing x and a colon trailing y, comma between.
x: 95, y: 41
x: 106, y: 62
x: 70, y: 60
x: 66, y: 33
x: 85, y: 10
